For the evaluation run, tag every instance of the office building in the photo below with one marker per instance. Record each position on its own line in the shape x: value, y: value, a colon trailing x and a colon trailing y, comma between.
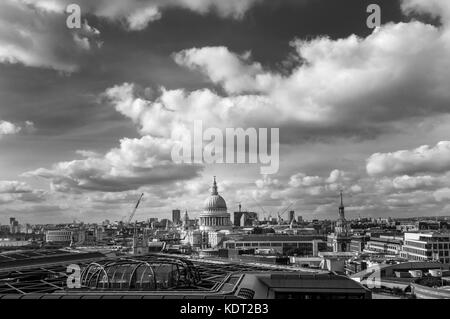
x: 176, y: 216
x: 427, y: 246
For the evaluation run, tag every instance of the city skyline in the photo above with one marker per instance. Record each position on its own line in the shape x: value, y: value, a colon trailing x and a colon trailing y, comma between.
x: 87, y: 117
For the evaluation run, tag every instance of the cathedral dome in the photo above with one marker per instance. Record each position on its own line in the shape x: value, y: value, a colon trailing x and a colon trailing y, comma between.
x: 215, y: 202
x: 214, y: 216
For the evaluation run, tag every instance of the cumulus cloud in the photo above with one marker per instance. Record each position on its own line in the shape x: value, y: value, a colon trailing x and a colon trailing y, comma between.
x: 14, y: 187
x: 12, y: 191
x: 138, y: 13
x: 137, y: 162
x: 34, y: 32
x: 173, y: 113
x: 140, y: 19
x: 423, y: 159
x: 8, y: 128
x: 369, y: 76
x: 236, y: 73
x: 436, y: 8
x: 442, y: 194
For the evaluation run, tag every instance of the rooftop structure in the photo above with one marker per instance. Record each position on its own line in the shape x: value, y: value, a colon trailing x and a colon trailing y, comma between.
x: 164, y: 276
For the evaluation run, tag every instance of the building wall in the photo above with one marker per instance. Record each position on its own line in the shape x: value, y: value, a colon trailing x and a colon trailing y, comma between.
x: 426, y: 246
x: 304, y: 248
x: 58, y: 236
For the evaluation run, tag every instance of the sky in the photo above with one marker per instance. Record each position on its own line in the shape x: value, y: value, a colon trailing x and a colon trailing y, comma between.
x: 88, y: 116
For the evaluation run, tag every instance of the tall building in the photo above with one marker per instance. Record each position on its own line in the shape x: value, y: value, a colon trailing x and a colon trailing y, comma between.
x: 291, y: 216
x: 427, y: 246
x: 14, y: 226
x: 176, y: 216
x: 214, y: 215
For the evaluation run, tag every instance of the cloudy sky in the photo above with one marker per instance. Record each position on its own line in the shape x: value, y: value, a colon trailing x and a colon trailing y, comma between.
x: 88, y: 116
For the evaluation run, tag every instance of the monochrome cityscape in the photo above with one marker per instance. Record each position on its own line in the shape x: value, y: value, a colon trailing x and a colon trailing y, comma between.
x: 225, y: 150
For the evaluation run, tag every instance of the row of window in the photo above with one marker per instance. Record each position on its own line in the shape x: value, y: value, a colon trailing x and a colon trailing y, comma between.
x: 273, y: 244
x: 428, y: 246
x: 421, y: 258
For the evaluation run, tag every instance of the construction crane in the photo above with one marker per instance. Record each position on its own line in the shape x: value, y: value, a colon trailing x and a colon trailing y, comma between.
x: 284, y: 210
x: 130, y: 217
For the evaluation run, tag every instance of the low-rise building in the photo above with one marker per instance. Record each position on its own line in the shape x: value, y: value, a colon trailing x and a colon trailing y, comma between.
x: 284, y: 244
x: 59, y: 236
x: 384, y: 244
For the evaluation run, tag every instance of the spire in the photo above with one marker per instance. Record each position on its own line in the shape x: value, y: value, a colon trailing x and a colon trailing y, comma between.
x: 214, y: 188
x: 342, y: 201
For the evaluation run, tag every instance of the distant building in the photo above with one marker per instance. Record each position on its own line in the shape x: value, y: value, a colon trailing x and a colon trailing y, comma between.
x: 59, y: 236
x: 385, y: 245
x: 6, y: 242
x: 427, y: 246
x: 283, y: 244
x: 335, y: 261
x: 187, y: 223
x: 291, y: 216
x: 406, y: 227
x: 176, y: 216
x: 14, y: 227
x: 244, y: 218
x: 428, y: 225
x: 358, y: 243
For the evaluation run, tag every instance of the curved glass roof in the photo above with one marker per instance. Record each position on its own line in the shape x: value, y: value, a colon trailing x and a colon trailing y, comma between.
x: 128, y: 273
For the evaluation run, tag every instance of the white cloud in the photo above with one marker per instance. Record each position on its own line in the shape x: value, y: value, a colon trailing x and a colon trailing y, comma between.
x: 442, y: 194
x: 140, y: 19
x: 413, y: 182
x: 13, y: 191
x: 423, y: 159
x: 137, y: 162
x: 34, y: 32
x: 437, y: 8
x: 352, y: 84
x: 174, y: 111
x: 236, y: 73
x: 14, y: 187
x: 300, y: 179
x: 8, y: 128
